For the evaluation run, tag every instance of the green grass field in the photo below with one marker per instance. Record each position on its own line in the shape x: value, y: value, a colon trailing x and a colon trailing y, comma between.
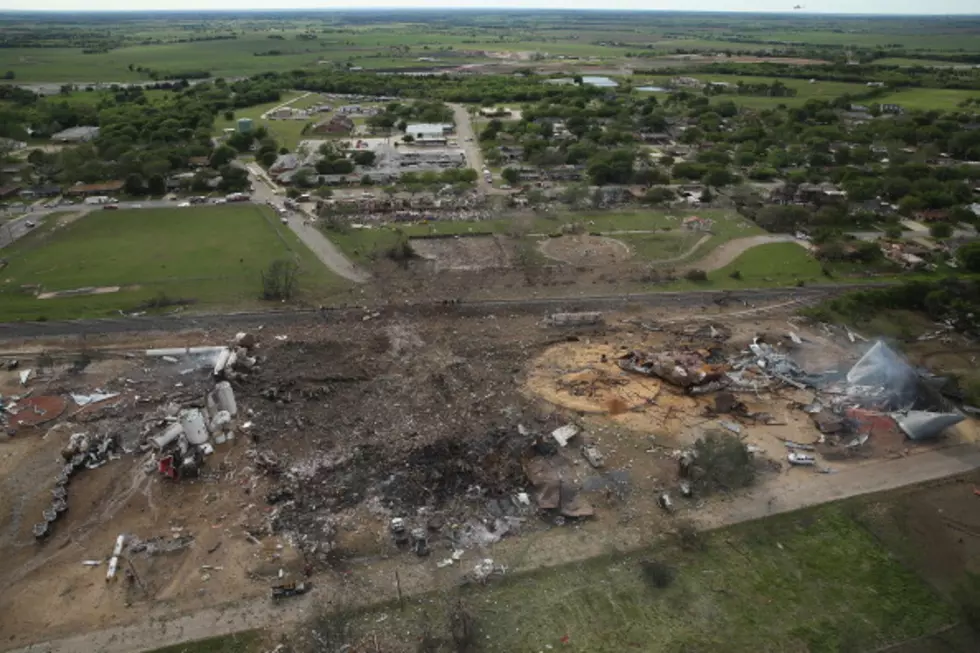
x: 928, y: 63
x: 287, y: 133
x: 927, y: 99
x: 361, y: 244
x: 212, y: 255
x: 813, y: 581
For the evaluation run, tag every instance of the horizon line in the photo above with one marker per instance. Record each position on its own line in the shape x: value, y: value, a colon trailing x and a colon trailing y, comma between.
x: 468, y: 9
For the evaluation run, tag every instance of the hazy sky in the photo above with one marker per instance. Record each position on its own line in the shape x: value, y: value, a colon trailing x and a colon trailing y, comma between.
x: 820, y: 6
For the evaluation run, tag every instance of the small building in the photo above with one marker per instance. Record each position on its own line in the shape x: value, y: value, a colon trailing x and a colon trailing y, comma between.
x: 12, y: 144
x: 86, y: 190
x: 337, y: 124
x: 198, y: 162
x: 76, y: 135
x: 429, y: 132
x: 889, y: 107
x: 245, y: 125
x: 495, y: 112
x: 47, y: 190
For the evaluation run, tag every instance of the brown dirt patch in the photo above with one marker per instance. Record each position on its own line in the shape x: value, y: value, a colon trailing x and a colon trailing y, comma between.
x: 585, y: 250
x: 465, y: 253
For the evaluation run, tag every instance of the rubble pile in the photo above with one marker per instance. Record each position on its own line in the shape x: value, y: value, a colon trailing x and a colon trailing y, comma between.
x: 880, y: 393
x: 177, y: 434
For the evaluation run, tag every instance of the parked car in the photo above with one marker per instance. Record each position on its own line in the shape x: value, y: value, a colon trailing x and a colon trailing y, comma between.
x: 110, y: 207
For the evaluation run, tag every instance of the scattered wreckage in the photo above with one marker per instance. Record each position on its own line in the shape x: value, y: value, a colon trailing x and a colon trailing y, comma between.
x: 880, y: 391
x: 176, y: 439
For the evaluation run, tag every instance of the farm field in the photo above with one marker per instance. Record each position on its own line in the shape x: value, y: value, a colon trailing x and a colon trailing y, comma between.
x: 210, y: 256
x: 929, y: 98
x: 821, y: 90
x: 908, y: 62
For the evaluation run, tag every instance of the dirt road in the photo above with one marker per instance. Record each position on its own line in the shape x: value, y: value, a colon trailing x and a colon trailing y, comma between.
x: 265, y: 116
x: 302, y: 225
x: 728, y: 252
x: 470, y: 144
x: 165, y: 627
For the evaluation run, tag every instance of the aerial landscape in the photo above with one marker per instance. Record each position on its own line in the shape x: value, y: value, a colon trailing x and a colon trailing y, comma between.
x: 489, y: 330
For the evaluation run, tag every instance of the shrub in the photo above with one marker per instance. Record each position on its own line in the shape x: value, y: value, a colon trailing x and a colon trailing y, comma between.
x: 279, y: 280
x: 696, y: 275
x: 657, y: 573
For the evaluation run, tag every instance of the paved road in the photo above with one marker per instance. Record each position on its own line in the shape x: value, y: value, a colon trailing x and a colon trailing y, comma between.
x: 302, y: 224
x: 543, y: 306
x: 166, y: 628
x: 471, y: 146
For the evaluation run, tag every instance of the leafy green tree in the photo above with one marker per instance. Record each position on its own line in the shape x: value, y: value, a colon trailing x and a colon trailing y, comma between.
x: 940, y: 230
x: 364, y: 158
x: 969, y: 256
x: 511, y: 175
x: 156, y: 185
x: 134, y: 184
x: 268, y: 157
x: 222, y: 155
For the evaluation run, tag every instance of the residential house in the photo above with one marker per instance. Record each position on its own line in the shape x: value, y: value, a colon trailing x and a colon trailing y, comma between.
x: 283, y: 163
x: 932, y: 215
x: 76, y: 135
x: 876, y: 206
x: 817, y: 193
x: 654, y: 138
x: 86, y: 190
x: 198, y: 162
x: 337, y: 124
x: 511, y: 153
x: 9, y: 190
x: 47, y: 190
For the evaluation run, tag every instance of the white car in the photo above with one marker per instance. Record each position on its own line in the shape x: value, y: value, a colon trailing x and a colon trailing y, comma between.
x: 183, y: 204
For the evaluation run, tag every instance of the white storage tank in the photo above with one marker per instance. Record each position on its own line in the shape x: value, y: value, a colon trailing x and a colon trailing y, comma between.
x: 194, y: 427
x: 168, y: 436
x: 226, y: 398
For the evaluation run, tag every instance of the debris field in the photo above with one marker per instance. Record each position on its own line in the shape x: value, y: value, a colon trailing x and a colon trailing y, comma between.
x: 239, y: 462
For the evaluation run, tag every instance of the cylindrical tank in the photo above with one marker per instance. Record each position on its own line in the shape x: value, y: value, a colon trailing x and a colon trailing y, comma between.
x: 226, y: 398
x: 192, y: 422
x: 168, y: 436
